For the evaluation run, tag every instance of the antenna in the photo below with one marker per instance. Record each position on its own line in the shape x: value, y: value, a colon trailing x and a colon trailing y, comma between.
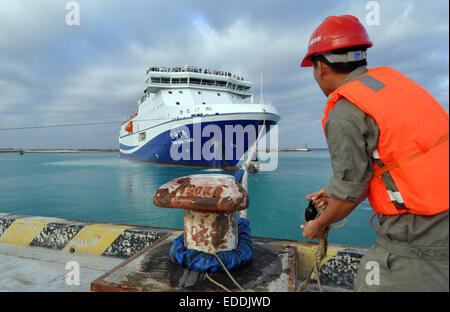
x: 260, y: 100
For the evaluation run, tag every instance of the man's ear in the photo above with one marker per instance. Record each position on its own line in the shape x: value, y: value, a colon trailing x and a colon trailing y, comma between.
x: 323, y: 69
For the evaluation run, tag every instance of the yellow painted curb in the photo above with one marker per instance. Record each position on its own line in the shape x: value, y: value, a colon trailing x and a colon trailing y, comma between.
x: 305, y: 256
x: 94, y: 239
x: 306, y: 260
x: 23, y: 231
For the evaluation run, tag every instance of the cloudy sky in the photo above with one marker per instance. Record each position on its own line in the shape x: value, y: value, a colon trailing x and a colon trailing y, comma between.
x: 52, y: 73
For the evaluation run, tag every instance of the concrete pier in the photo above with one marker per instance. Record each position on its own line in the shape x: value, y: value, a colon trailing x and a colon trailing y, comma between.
x: 36, y: 254
x: 36, y: 269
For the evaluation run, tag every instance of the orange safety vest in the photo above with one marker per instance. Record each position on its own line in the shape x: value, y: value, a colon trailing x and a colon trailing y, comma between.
x: 412, y: 145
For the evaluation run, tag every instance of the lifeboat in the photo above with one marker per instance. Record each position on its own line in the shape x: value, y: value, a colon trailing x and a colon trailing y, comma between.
x: 129, y: 127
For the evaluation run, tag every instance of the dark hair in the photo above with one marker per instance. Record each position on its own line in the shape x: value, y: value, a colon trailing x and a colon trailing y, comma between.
x: 341, y: 68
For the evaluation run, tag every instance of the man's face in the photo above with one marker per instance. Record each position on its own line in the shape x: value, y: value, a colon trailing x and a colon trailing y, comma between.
x: 318, y: 77
x: 316, y: 73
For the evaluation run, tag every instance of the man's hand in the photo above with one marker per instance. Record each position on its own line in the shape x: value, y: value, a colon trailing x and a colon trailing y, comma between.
x: 333, y: 210
x: 320, y: 198
x: 312, y: 230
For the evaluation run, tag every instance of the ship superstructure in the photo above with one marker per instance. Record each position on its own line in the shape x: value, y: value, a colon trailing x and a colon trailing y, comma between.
x: 185, y: 114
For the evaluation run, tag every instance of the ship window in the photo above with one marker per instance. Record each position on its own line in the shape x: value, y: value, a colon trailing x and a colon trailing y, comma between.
x: 181, y: 112
x: 221, y: 83
x: 203, y: 102
x: 178, y: 103
x: 208, y: 82
x: 170, y: 92
x: 183, y: 80
x: 175, y: 80
x: 180, y: 91
x: 156, y: 79
x: 218, y: 94
x: 142, y: 136
x: 194, y: 80
x: 199, y: 92
x: 165, y: 80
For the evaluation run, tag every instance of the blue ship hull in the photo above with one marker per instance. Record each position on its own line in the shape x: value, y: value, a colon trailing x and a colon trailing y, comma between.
x: 223, y: 154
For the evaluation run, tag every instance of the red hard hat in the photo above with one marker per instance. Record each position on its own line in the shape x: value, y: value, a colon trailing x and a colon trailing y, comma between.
x: 336, y: 32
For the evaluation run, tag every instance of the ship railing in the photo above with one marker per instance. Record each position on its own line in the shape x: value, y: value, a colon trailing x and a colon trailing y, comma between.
x: 262, y: 101
x: 193, y: 69
x: 154, y: 84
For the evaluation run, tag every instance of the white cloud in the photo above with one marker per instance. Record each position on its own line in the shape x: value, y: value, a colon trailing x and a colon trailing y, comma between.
x: 50, y: 72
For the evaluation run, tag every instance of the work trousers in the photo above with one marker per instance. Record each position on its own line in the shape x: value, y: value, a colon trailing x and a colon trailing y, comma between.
x: 410, y: 254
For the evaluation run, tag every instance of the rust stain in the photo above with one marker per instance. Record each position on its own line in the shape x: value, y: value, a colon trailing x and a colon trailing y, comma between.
x: 221, y: 228
x: 205, y: 203
x: 184, y: 181
x: 227, y: 201
x: 208, y: 196
x: 19, y: 279
x: 162, y: 197
x: 218, y: 192
x: 199, y: 234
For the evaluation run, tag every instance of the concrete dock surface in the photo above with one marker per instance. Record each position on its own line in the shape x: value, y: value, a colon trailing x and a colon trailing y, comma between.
x: 42, y: 254
x: 36, y: 269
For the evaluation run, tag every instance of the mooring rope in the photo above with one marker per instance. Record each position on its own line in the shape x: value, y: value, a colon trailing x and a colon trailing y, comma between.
x: 320, y: 254
x: 243, y: 213
x: 229, y: 275
x: 250, y: 155
x: 217, y: 283
x: 78, y: 124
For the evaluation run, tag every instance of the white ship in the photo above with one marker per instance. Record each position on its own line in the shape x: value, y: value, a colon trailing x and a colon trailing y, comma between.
x: 186, y: 113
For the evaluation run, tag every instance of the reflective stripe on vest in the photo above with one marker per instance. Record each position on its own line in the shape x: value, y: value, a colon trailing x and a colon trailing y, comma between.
x: 409, y: 157
x: 375, y: 154
x: 411, y: 122
x: 395, y: 196
x: 371, y: 83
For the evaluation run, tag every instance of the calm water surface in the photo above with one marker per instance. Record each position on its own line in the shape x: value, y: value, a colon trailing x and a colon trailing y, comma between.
x: 103, y: 187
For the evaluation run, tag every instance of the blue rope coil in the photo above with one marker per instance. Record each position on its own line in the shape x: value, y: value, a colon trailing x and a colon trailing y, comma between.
x: 200, y: 261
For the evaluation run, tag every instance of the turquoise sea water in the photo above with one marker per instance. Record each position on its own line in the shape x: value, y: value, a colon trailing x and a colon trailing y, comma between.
x: 103, y: 187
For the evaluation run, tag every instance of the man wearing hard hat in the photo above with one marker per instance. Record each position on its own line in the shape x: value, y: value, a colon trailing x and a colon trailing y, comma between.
x: 388, y: 142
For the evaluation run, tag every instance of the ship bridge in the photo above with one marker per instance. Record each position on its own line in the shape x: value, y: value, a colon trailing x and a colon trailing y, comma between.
x: 157, y: 79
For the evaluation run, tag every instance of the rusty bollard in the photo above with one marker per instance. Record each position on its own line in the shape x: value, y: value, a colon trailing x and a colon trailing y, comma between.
x: 210, y: 202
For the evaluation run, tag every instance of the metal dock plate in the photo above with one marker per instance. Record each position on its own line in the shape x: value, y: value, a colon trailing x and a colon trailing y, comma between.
x: 272, y: 268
